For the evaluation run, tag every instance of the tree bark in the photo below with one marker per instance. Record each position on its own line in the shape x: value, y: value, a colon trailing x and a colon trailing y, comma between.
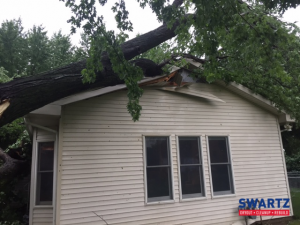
x: 10, y: 166
x: 30, y: 93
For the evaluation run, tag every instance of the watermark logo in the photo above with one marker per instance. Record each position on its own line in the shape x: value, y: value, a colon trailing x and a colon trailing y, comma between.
x: 264, y: 207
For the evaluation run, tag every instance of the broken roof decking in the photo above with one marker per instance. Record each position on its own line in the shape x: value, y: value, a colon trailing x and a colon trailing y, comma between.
x: 170, y: 83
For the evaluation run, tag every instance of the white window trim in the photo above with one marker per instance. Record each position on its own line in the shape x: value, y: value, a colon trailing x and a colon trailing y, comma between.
x: 145, y: 170
x: 181, y: 199
x: 231, y: 166
x: 35, y: 172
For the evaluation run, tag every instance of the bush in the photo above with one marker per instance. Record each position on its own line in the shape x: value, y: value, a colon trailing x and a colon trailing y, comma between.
x: 293, y: 162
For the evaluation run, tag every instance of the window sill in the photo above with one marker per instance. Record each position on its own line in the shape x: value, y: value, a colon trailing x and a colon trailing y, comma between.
x: 193, y: 199
x: 160, y: 202
x: 43, y: 206
x: 223, y: 196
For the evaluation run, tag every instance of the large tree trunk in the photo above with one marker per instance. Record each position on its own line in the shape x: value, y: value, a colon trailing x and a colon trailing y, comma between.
x: 10, y: 166
x: 30, y: 93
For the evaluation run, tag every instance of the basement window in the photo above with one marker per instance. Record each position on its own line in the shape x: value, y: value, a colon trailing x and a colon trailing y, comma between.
x: 191, y: 167
x: 220, y: 166
x: 44, y: 187
x: 158, y: 169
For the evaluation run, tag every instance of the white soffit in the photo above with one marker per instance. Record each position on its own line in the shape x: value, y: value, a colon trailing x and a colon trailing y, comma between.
x: 187, y: 91
x: 50, y: 109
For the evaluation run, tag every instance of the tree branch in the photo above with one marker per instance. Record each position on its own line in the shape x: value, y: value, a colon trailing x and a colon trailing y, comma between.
x: 10, y: 166
x: 30, y: 93
x: 177, y: 3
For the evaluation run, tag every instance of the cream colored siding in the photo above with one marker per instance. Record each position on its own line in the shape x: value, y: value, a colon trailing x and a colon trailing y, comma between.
x: 102, y: 157
x: 42, y: 216
x: 45, y: 135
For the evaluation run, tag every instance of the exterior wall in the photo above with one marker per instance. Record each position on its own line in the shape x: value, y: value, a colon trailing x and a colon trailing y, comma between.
x: 40, y: 215
x: 101, y: 167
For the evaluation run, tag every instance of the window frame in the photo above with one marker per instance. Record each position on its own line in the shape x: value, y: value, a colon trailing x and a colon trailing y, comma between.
x: 159, y: 200
x: 225, y: 193
x: 36, y: 158
x: 192, y: 197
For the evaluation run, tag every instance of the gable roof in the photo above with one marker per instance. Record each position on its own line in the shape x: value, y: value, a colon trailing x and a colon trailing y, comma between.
x: 176, y: 81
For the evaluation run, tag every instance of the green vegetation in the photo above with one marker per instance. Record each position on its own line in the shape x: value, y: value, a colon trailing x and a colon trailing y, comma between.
x: 25, y: 53
x: 241, y: 41
x: 295, y: 195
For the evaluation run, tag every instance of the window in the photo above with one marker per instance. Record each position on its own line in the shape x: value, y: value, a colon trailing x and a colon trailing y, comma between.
x: 158, y: 169
x: 220, y: 166
x: 191, y: 170
x: 44, y: 187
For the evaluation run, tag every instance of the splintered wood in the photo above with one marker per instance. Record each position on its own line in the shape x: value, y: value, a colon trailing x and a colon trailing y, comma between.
x: 3, y: 106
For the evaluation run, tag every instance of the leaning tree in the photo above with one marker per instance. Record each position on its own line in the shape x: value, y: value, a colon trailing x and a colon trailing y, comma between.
x: 235, y: 40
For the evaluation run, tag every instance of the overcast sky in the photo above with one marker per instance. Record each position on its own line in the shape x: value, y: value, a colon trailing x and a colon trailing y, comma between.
x: 53, y: 15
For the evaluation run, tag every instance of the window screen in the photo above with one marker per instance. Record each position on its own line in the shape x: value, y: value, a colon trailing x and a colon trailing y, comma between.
x: 45, y: 155
x: 158, y: 169
x: 191, y: 170
x: 220, y: 166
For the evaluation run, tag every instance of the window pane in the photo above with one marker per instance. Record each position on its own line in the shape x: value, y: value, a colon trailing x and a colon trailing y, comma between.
x: 190, y: 179
x: 189, y: 150
x: 221, y: 178
x: 159, y: 182
x: 46, y: 156
x: 157, y: 151
x: 218, y: 149
x: 45, y: 188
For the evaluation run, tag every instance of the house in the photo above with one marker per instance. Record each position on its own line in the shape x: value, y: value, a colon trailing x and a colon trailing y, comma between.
x: 196, y: 150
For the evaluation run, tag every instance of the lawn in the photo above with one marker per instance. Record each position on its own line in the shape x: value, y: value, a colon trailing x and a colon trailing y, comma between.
x: 295, y: 195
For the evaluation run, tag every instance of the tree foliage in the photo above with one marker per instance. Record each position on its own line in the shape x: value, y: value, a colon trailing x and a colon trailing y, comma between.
x: 239, y: 41
x: 25, y: 53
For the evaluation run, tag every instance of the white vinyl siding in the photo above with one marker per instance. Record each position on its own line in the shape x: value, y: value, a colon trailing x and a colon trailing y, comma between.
x: 42, y: 216
x: 102, y: 157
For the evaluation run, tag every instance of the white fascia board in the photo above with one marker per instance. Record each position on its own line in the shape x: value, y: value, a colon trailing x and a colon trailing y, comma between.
x: 98, y: 92
x: 54, y: 108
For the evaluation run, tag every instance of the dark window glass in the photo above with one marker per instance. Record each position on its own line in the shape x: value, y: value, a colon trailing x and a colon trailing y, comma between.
x: 221, y: 173
x: 220, y: 177
x: 218, y: 150
x: 190, y: 179
x: 159, y: 179
x: 191, y: 172
x: 46, y: 186
x: 157, y: 151
x: 45, y: 157
x: 190, y: 150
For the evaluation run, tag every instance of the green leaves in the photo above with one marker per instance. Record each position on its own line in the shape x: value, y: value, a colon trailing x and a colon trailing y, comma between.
x: 239, y: 41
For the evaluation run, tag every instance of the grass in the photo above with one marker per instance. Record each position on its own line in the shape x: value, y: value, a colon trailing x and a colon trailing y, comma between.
x: 295, y: 195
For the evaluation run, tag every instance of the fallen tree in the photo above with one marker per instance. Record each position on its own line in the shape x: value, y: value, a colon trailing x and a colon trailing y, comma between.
x: 29, y: 93
x: 241, y: 42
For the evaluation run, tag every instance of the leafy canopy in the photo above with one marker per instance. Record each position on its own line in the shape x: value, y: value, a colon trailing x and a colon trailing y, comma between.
x: 241, y: 41
x: 30, y: 52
